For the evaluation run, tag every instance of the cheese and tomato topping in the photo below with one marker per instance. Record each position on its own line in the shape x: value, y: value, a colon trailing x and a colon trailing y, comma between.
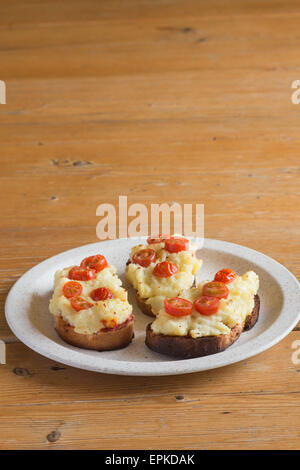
x: 163, y: 268
x: 198, y: 314
x: 89, y: 297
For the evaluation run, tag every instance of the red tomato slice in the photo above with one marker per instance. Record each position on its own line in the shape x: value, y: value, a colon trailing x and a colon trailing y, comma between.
x: 176, y: 244
x: 207, y: 305
x: 96, y: 262
x: 178, y: 307
x: 81, y: 274
x: 158, y: 239
x: 144, y: 257
x: 102, y: 293
x: 225, y: 275
x: 165, y: 269
x: 71, y: 289
x: 215, y: 289
x: 79, y: 303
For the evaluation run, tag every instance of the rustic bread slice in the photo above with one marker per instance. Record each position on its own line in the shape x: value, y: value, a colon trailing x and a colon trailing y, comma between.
x: 186, y: 347
x: 116, y: 338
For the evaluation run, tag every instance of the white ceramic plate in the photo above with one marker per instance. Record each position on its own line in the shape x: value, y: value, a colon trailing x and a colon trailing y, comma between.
x: 28, y: 316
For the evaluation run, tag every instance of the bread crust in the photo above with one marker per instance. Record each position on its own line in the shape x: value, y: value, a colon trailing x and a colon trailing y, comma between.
x: 186, y: 347
x: 252, y: 319
x: 117, y: 338
x: 145, y: 308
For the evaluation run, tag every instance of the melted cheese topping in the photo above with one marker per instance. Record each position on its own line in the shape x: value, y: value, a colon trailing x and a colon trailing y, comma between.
x: 150, y: 286
x: 103, y: 314
x: 232, y: 311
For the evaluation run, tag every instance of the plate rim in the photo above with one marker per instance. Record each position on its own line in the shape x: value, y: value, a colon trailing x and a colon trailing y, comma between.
x: 171, y: 367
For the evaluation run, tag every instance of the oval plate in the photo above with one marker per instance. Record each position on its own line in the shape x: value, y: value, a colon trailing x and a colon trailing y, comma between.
x: 28, y: 316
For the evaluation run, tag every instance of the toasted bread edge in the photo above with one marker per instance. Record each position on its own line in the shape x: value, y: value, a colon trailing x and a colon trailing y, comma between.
x: 102, y: 341
x: 186, y: 347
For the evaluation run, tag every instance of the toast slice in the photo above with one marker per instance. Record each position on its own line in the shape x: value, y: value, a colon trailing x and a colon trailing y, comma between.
x: 110, y: 339
x: 186, y: 347
x: 90, y: 306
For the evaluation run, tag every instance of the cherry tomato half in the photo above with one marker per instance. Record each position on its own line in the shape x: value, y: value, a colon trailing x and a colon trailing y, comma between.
x: 176, y: 244
x: 96, y: 262
x: 79, y: 303
x: 71, y: 289
x: 215, y: 289
x: 178, y: 307
x: 81, y: 274
x: 207, y: 305
x: 102, y: 293
x: 144, y: 257
x: 158, y: 239
x: 225, y: 275
x: 165, y: 269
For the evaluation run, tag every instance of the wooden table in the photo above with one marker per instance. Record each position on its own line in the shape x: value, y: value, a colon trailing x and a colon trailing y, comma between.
x: 162, y: 101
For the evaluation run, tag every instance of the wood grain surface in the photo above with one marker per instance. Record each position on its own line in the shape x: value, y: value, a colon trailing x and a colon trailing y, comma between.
x: 162, y: 101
